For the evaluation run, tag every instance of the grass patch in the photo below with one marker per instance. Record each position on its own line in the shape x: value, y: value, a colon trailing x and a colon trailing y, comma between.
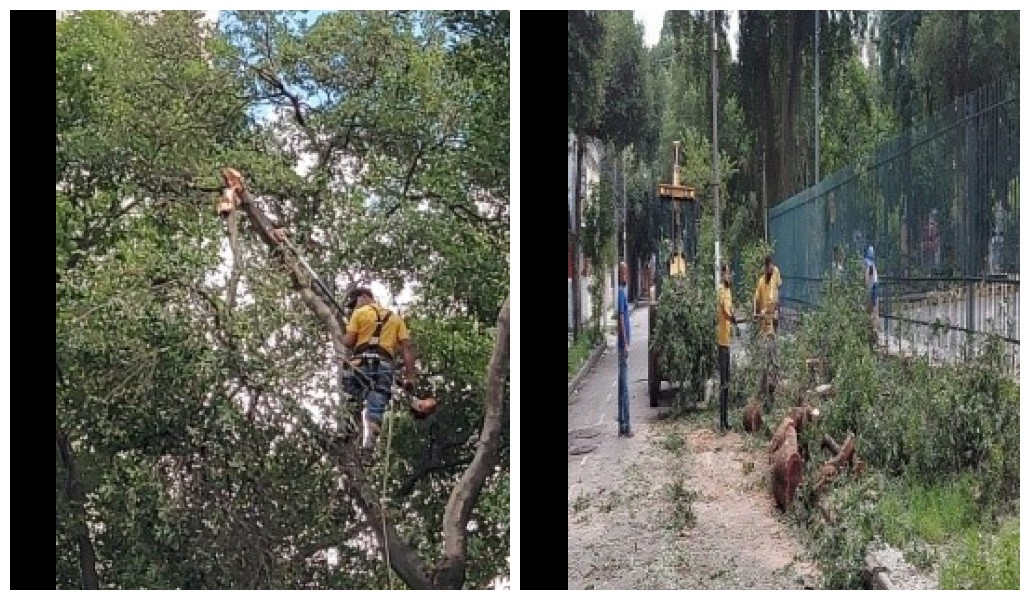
x: 581, y: 503
x: 682, y: 500
x: 984, y: 562
x: 672, y: 442
x: 579, y: 352
x: 932, y: 514
x: 613, y: 500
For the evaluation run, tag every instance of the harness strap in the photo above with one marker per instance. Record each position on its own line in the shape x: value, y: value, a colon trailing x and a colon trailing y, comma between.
x: 372, y: 345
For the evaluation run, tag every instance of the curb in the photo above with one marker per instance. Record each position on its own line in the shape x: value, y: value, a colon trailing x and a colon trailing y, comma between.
x: 596, y: 355
x: 589, y: 364
x: 876, y: 574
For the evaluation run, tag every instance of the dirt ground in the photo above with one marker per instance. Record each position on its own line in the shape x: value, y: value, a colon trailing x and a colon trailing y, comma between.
x: 678, y: 506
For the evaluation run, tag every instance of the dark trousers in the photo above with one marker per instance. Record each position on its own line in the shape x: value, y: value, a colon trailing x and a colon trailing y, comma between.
x: 724, y: 386
x: 623, y: 393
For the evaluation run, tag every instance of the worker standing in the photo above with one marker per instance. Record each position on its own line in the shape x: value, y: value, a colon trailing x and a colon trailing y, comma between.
x: 724, y: 315
x: 623, y: 346
x: 766, y: 311
x: 872, y: 281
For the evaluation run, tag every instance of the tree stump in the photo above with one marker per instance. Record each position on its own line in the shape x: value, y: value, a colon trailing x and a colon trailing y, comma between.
x: 753, y: 416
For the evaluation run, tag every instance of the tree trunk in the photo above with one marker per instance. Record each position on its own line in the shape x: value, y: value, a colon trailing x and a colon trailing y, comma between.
x: 450, y: 572
x: 753, y: 416
x: 577, y: 243
x: 790, y: 84
x: 403, y: 558
x: 77, y: 500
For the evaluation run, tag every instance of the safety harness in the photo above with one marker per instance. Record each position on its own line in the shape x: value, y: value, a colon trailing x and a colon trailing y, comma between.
x: 372, y: 349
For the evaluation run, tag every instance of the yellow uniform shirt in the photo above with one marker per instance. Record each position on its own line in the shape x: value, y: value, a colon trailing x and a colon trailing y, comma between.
x: 724, y: 313
x: 363, y: 323
x: 767, y: 294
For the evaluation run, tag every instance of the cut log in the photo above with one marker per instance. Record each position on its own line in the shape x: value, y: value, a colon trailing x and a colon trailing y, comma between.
x: 803, y: 415
x: 753, y: 416
x: 824, y: 391
x: 787, y: 467
x: 796, y: 419
x: 847, y: 452
x: 831, y: 446
x: 780, y: 435
x: 843, y: 456
x: 827, y: 473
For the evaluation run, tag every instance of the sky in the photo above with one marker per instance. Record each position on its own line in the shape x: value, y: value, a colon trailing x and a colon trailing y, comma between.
x: 652, y: 20
x: 305, y: 162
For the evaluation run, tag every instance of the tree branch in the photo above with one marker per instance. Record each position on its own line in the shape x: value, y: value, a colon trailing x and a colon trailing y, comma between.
x: 77, y: 499
x: 450, y: 571
x: 428, y: 468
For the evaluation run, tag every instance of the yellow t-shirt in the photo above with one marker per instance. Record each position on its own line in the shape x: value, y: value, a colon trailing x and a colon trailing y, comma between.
x: 767, y: 294
x: 363, y: 323
x: 723, y: 313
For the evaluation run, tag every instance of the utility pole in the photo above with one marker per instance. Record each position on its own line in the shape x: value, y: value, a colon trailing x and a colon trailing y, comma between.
x: 765, y: 201
x: 615, y: 232
x: 715, y: 147
x: 817, y: 97
x: 625, y: 244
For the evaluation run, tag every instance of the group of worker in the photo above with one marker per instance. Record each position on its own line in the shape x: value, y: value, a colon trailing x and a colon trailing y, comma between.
x: 765, y: 313
x: 766, y: 302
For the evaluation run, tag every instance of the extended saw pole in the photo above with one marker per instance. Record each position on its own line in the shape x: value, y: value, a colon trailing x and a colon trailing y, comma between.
x: 235, y: 195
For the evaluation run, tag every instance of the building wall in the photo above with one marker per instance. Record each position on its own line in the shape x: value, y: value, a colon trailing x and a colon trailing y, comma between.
x: 591, y: 175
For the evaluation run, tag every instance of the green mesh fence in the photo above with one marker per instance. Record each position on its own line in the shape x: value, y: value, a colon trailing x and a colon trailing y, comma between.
x: 939, y: 203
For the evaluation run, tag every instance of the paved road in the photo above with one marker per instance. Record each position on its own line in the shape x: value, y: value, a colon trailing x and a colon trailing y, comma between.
x: 595, y: 402
x: 631, y: 500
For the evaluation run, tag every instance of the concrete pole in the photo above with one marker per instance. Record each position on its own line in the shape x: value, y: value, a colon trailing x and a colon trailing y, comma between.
x: 715, y: 147
x: 817, y: 96
x: 625, y: 243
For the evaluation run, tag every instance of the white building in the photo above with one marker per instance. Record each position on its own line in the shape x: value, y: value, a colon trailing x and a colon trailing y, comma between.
x: 590, y: 176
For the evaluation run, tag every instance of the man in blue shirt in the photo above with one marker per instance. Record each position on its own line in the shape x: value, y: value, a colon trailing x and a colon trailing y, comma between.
x: 623, y: 354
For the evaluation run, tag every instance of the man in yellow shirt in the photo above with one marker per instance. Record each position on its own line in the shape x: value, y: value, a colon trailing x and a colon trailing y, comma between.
x: 766, y: 305
x: 767, y: 298
x: 724, y: 316
x: 375, y: 334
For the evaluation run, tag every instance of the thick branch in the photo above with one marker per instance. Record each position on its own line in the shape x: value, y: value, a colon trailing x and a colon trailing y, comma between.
x: 77, y: 499
x: 403, y: 559
x: 450, y: 571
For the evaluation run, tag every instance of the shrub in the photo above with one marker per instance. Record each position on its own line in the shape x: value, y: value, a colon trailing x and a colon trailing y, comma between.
x: 983, y: 562
x: 684, y: 337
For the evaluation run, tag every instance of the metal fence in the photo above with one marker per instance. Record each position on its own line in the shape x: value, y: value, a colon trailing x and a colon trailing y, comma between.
x: 939, y: 203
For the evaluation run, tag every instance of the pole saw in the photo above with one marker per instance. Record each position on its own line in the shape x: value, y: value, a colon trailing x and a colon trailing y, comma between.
x: 235, y: 195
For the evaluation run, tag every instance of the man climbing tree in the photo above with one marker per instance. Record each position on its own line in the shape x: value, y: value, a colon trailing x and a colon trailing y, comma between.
x: 357, y: 137
x: 375, y: 333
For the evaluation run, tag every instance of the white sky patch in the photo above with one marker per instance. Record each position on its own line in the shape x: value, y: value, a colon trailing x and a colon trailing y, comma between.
x: 653, y: 20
